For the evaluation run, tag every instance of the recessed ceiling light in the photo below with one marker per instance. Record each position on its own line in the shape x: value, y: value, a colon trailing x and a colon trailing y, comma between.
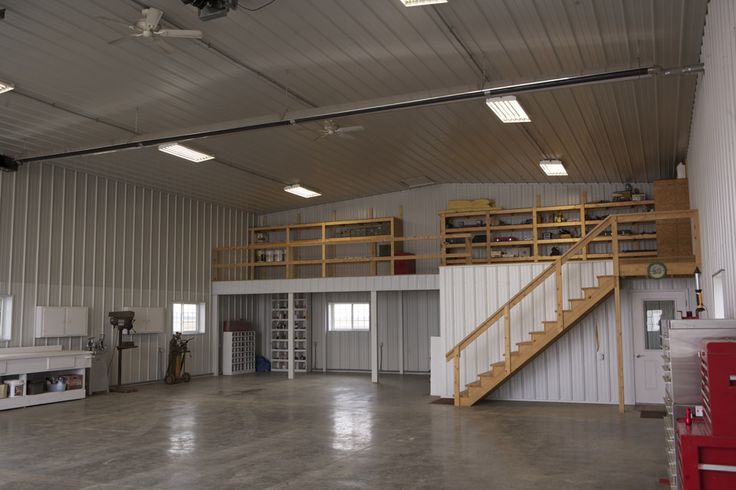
x: 553, y: 168
x: 184, y: 152
x: 416, y: 3
x: 301, y: 191
x: 6, y: 87
x: 508, y: 109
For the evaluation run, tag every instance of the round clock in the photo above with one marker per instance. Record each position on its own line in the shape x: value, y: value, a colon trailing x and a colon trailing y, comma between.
x: 656, y: 270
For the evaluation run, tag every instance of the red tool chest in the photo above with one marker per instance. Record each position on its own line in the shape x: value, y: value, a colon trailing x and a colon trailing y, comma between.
x: 718, y: 387
x: 707, y: 448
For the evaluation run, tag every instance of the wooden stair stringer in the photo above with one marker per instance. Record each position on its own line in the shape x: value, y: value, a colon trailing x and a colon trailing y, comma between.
x: 489, y: 382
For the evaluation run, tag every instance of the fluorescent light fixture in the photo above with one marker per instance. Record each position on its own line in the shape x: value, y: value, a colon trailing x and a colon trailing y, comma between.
x: 553, y: 168
x: 508, y: 109
x: 182, y: 151
x: 419, y: 181
x: 417, y: 3
x: 301, y: 191
x: 6, y: 87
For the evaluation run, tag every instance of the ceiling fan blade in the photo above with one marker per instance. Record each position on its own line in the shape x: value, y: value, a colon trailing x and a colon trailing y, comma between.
x: 180, y: 33
x: 345, y: 136
x: 350, y: 129
x: 323, y: 135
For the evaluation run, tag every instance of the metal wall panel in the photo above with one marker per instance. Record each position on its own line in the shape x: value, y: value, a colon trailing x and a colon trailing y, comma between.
x: 75, y: 239
x: 711, y: 156
x: 421, y: 320
x: 420, y: 208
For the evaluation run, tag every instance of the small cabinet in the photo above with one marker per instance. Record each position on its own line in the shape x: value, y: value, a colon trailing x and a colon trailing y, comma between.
x: 62, y: 321
x: 148, y: 319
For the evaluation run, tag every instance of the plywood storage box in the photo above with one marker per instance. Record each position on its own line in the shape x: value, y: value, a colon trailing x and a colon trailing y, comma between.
x: 674, y: 237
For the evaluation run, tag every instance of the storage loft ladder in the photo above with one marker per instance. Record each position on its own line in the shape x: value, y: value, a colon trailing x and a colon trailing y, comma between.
x: 540, y: 340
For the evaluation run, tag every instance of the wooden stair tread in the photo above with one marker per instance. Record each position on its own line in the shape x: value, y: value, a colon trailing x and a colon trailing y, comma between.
x: 525, y: 342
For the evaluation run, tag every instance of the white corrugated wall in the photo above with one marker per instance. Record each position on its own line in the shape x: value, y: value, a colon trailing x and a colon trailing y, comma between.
x: 71, y: 238
x: 711, y: 158
x: 571, y: 370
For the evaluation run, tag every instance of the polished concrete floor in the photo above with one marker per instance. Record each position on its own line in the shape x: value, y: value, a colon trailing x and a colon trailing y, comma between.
x: 322, y: 431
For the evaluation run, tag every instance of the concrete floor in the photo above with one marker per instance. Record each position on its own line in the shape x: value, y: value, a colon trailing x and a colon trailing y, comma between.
x: 323, y: 431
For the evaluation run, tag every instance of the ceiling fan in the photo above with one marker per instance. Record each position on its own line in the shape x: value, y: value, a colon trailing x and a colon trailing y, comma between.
x: 148, y: 27
x: 331, y: 128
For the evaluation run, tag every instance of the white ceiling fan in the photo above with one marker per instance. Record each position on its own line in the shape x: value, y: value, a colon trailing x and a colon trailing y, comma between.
x: 331, y: 128
x: 148, y: 27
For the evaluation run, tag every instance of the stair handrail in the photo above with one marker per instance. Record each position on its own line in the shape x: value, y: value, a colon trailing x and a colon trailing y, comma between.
x: 524, y: 292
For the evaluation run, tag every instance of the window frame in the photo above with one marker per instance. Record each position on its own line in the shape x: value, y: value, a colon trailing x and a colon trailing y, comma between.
x: 200, y: 318
x: 331, y: 320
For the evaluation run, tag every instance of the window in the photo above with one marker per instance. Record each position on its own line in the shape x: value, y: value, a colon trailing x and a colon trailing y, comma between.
x: 654, y: 313
x: 188, y: 318
x: 6, y: 317
x: 349, y: 317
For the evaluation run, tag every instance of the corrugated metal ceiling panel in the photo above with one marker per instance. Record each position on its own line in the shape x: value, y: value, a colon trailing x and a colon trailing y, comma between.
x: 293, y: 55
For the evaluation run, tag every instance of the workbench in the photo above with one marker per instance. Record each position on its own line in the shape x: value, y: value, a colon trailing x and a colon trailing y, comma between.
x: 28, y: 362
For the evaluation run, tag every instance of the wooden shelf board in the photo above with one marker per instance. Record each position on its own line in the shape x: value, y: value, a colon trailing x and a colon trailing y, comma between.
x: 511, y: 227
x: 359, y: 239
x: 501, y: 212
x: 619, y: 204
x: 464, y: 229
x: 559, y: 225
x: 558, y: 241
x: 463, y: 214
x: 514, y: 243
x: 552, y: 209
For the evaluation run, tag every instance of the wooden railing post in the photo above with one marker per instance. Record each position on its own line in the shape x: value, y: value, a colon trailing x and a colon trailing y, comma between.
x: 558, y: 291
x: 507, y: 336
x: 457, y: 376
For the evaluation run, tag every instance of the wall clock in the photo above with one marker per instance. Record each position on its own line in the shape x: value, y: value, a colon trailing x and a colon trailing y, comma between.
x: 656, y: 270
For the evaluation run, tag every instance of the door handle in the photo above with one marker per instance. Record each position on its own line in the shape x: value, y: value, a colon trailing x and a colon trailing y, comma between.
x: 639, y: 355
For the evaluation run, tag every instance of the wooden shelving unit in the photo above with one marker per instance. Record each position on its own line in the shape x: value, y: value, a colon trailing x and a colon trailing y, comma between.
x: 280, y: 333
x: 289, y: 247
x: 540, y: 233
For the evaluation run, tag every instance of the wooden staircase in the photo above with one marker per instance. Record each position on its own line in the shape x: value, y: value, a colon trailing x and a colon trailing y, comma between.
x: 527, y: 350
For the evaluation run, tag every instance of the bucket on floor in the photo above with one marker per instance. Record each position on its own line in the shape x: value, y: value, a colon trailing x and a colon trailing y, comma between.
x: 15, y: 387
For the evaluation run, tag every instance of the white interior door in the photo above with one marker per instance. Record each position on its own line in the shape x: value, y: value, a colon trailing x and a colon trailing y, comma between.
x: 648, y: 310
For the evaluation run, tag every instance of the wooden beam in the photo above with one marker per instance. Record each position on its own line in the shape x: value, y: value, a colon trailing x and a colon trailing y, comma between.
x: 456, y: 382
x: 558, y: 293
x: 617, y: 305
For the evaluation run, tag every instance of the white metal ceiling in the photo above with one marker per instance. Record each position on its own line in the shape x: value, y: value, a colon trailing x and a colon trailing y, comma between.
x: 73, y: 89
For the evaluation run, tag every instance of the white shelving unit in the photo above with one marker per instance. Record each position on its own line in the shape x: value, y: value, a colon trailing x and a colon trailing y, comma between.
x: 238, y: 352
x: 280, y: 333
